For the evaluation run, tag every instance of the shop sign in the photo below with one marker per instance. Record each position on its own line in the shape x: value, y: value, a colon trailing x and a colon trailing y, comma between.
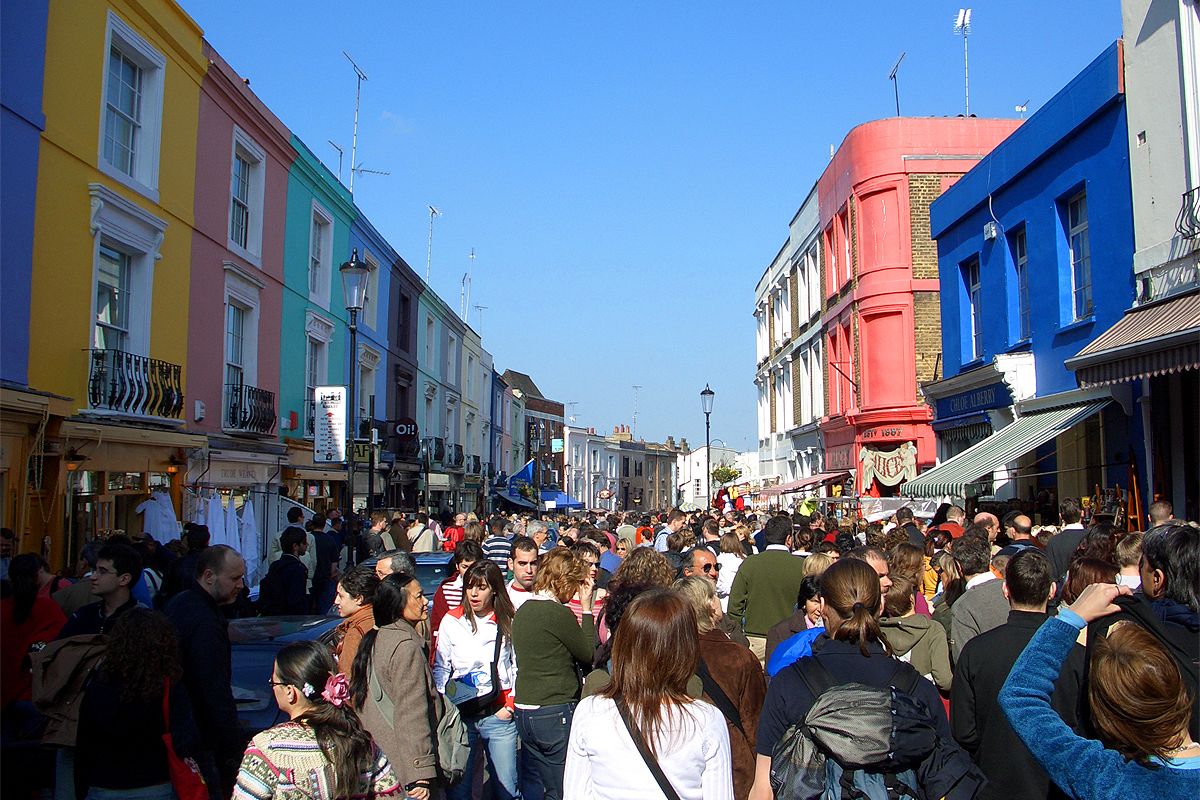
x: 556, y: 445
x: 406, y: 429
x: 889, y: 467
x: 996, y: 395
x: 604, y: 494
x: 889, y: 432
x: 329, y: 425
x: 234, y: 474
x: 839, y: 458
x: 362, y: 452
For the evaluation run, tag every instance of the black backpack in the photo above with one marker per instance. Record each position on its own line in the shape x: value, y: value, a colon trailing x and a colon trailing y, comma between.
x: 860, y: 742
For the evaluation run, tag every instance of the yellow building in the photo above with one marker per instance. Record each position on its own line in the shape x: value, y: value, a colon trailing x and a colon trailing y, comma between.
x: 111, y: 261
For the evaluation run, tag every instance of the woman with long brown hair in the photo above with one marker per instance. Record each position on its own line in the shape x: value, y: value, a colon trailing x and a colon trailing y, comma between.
x: 647, y: 708
x: 120, y: 751
x: 474, y: 668
x: 852, y: 650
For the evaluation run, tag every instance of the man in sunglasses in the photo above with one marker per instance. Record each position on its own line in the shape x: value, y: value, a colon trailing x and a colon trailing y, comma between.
x: 699, y: 561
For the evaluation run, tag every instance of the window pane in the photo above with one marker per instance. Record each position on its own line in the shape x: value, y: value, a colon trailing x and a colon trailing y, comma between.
x: 235, y: 317
x: 112, y: 300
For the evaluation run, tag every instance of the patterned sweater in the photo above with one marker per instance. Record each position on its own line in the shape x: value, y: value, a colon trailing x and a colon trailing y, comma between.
x: 286, y: 763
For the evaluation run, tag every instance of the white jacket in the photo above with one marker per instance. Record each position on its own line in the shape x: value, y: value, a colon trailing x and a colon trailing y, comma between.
x: 465, y: 654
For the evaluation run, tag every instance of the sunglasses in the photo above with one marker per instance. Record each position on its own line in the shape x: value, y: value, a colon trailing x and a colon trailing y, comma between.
x: 711, y: 567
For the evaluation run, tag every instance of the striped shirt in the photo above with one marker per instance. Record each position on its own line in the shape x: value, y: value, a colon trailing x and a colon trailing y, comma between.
x: 498, y: 549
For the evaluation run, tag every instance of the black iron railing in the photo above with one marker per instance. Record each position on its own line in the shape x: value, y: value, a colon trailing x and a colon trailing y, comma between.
x: 249, y: 409
x: 1187, y: 224
x: 454, y: 458
x: 474, y: 467
x: 439, y: 449
x: 310, y: 418
x: 133, y: 384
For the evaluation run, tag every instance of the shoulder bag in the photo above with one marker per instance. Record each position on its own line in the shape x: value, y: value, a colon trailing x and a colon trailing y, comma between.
x: 474, y: 706
x: 667, y: 789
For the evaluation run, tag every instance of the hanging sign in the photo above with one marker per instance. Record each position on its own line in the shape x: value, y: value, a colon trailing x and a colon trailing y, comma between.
x: 889, y: 467
x: 329, y: 425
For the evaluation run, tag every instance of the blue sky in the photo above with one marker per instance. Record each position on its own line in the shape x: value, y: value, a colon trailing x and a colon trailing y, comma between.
x: 624, y: 171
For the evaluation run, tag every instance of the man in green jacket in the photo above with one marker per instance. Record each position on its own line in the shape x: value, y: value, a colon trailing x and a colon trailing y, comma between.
x: 764, y: 590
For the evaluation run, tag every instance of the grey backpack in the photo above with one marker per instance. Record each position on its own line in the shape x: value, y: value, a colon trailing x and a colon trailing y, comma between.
x: 453, y: 747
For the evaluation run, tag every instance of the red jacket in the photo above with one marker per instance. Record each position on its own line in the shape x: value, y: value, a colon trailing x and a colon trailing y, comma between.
x: 451, y: 536
x: 43, y: 624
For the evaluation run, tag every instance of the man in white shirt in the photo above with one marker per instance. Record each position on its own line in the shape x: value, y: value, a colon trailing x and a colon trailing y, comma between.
x: 676, y: 521
x: 523, y: 565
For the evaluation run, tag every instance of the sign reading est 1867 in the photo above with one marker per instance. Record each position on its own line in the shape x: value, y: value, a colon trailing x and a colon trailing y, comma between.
x: 329, y: 425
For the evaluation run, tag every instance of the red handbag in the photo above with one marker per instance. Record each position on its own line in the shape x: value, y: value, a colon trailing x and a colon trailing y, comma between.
x: 185, y: 772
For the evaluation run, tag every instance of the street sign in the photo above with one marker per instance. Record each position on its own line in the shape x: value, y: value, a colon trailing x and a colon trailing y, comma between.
x: 556, y: 445
x: 604, y: 494
x: 362, y: 452
x: 329, y: 425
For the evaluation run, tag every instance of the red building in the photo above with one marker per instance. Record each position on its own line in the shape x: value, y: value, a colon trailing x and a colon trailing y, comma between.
x: 880, y: 287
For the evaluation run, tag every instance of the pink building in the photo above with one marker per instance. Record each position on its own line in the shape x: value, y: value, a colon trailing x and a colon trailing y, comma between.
x: 243, y: 154
x: 880, y: 287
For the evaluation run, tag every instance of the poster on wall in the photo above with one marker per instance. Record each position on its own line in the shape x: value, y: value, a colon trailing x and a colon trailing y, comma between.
x: 329, y: 425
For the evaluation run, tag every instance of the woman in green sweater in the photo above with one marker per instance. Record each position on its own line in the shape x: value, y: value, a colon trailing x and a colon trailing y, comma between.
x: 548, y: 643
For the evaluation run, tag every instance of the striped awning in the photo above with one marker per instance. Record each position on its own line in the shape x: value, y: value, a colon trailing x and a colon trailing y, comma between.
x: 958, y: 476
x: 1154, y: 339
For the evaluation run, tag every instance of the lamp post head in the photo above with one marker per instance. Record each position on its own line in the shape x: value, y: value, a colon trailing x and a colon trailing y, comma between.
x: 706, y: 399
x: 354, y: 282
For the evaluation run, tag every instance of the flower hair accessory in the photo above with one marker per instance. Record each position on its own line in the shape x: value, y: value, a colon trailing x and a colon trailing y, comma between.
x: 308, y: 690
x: 337, y: 690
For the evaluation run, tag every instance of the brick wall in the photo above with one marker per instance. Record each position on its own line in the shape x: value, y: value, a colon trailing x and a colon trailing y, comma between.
x: 797, y: 389
x: 793, y: 289
x: 824, y: 331
x: 773, y: 399
x: 927, y: 320
x: 770, y: 327
x: 928, y: 323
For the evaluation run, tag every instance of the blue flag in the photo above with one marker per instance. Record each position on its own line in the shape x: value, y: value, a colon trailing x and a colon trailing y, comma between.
x: 523, y: 477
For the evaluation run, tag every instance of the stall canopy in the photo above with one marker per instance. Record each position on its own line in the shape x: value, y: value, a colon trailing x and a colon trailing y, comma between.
x: 956, y: 476
x: 819, y: 479
x: 560, y: 499
x: 513, y: 498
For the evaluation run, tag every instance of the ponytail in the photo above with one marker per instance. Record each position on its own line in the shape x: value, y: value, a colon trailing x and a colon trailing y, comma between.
x: 851, y: 589
x: 360, y: 671
x: 862, y: 627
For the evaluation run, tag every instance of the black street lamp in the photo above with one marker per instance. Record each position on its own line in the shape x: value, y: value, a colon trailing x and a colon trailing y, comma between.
x: 354, y: 289
x: 706, y: 403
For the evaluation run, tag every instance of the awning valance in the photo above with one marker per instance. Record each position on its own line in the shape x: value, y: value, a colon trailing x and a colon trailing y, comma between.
x: 955, y: 476
x: 1155, y: 339
x: 803, y: 483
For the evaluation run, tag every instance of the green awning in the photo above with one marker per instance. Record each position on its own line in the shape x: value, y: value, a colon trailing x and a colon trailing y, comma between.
x: 974, y: 465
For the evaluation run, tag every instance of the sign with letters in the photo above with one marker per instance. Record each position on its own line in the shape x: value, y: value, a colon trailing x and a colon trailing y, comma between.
x: 996, y: 395
x: 889, y: 467
x: 329, y: 425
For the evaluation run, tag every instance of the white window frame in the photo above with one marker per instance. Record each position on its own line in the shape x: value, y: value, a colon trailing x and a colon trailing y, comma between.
x: 430, y: 340
x: 318, y: 334
x: 244, y: 289
x: 814, y: 278
x: 1081, y: 263
x: 451, y: 376
x: 370, y: 312
x: 972, y: 281
x: 144, y: 178
x: 124, y: 289
x: 256, y: 159
x: 324, y: 262
x: 1020, y: 255
x: 127, y: 227
x: 369, y: 360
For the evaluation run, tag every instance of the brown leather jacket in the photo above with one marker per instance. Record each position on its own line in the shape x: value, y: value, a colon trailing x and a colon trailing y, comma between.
x: 60, y: 672
x: 737, y: 671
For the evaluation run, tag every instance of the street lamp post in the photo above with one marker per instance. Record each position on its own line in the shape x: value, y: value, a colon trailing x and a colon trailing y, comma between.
x: 706, y: 402
x: 354, y: 289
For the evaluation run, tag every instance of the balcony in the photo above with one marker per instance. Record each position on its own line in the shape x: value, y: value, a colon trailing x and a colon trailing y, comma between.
x: 439, y: 449
x: 249, y: 410
x: 125, y: 383
x: 310, y: 414
x: 405, y: 448
x: 1187, y: 224
x: 474, y: 466
x: 454, y: 459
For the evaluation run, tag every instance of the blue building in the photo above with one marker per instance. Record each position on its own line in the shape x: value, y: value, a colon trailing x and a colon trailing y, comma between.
x: 22, y: 65
x: 1035, y: 246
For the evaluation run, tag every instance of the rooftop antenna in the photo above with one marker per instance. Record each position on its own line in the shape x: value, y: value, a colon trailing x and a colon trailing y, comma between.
x: 637, y: 387
x: 896, y: 81
x: 362, y: 76
x: 571, y: 410
x: 433, y: 212
x: 963, y: 25
x: 335, y: 146
x: 464, y: 297
x: 481, y: 309
x: 1022, y: 108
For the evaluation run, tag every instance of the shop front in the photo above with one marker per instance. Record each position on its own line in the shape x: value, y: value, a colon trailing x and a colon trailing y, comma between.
x: 319, y: 487
x: 881, y: 451
x: 971, y: 406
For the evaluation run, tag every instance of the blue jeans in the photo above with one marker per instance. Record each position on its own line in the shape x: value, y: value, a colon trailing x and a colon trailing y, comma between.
x: 544, y: 734
x: 499, y: 737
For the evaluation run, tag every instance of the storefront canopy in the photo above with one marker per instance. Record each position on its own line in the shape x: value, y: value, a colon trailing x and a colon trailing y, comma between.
x: 1154, y: 339
x: 955, y: 477
x: 515, y: 499
x: 819, y: 479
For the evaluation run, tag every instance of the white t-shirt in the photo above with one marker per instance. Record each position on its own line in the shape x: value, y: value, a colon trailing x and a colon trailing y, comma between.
x: 604, y: 764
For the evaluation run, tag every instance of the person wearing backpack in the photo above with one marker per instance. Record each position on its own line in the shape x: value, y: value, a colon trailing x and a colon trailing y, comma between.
x: 853, y: 650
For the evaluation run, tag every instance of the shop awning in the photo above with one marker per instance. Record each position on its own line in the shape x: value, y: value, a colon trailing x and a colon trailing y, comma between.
x: 1154, y: 339
x: 314, y: 474
x: 956, y: 475
x: 819, y: 479
x: 515, y: 499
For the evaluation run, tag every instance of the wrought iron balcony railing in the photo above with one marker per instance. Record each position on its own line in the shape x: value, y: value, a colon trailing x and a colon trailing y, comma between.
x: 474, y: 466
x: 454, y: 458
x: 136, y: 385
x: 1187, y: 224
x: 249, y: 409
x: 310, y: 418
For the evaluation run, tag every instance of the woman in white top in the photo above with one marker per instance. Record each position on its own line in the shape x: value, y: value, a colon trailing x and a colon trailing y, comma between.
x: 655, y: 652
x: 730, y: 558
x: 463, y: 671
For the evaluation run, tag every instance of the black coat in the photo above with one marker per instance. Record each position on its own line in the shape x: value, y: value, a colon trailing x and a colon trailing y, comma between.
x: 207, y: 673
x: 979, y: 724
x: 284, y: 589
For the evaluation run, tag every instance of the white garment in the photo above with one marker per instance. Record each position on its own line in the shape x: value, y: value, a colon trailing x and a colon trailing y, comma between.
x: 467, y: 655
x: 159, y: 520
x: 233, y: 528
x: 215, y: 519
x: 604, y: 764
x: 250, y: 549
x: 730, y: 564
x: 981, y: 578
x: 518, y: 596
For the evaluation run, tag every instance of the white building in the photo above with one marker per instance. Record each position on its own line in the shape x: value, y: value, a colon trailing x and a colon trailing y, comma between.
x: 590, y: 465
x: 789, y: 366
x: 693, y: 476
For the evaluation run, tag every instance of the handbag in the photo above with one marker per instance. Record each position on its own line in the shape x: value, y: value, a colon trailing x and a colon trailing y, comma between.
x: 667, y: 789
x: 185, y: 772
x: 461, y: 694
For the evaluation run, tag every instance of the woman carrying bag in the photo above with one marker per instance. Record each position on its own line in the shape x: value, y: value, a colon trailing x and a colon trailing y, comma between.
x: 644, y: 736
x: 391, y: 686
x: 473, y: 667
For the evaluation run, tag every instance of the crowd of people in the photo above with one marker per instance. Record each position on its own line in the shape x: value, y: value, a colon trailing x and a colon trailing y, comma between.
x: 703, y: 655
